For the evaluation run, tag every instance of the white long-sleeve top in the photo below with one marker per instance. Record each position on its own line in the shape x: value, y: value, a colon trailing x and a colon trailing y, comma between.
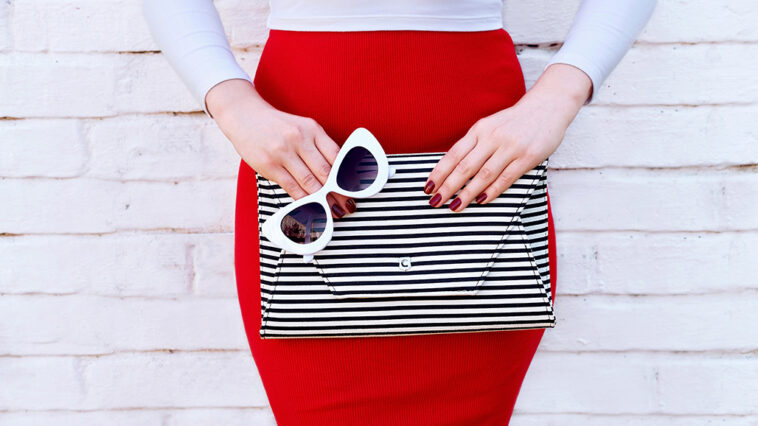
x: 191, y: 36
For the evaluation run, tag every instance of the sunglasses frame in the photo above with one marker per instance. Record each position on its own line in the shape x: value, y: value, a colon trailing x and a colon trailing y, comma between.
x: 360, y: 137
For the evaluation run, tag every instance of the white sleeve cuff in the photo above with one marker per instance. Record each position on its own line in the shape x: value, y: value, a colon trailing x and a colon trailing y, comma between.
x: 209, y: 66
x: 601, y: 34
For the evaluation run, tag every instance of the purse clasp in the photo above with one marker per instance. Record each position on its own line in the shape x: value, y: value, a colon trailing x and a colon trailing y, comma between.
x: 405, y: 263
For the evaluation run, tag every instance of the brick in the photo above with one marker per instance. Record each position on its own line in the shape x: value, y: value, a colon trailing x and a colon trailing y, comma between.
x: 76, y: 325
x: 588, y: 383
x: 159, y: 380
x: 111, y: 26
x: 640, y: 383
x: 673, y: 21
x: 50, y: 148
x: 148, y: 84
x: 229, y: 417
x: 122, y: 265
x: 711, y: 322
x: 618, y: 199
x: 141, y: 417
x: 5, y: 35
x: 702, y: 21
x: 96, y: 206
x: 656, y: 263
x: 662, y: 137
x: 118, y: 25
x: 160, y: 147
x: 52, y: 85
x: 39, y: 383
x: 542, y: 21
x: 78, y: 85
x: 709, y: 385
x: 668, y: 74
x: 213, y: 258
x: 570, y: 419
x: 244, y: 21
x: 86, y: 418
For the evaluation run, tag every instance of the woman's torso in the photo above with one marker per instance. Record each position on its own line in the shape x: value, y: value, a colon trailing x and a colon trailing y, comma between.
x: 415, y: 91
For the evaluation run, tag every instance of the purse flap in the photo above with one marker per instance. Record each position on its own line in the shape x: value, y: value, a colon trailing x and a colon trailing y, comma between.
x: 396, y: 244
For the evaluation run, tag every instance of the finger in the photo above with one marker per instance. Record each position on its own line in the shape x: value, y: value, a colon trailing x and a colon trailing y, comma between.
x: 320, y: 167
x: 447, y: 163
x: 288, y: 183
x: 337, y: 210
x: 304, y: 176
x: 483, y: 179
x: 466, y: 168
x: 326, y: 145
x: 346, y: 203
x: 506, y: 178
x: 315, y: 160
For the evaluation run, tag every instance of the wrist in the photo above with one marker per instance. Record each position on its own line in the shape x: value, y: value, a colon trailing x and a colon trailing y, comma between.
x: 563, y: 85
x: 232, y: 95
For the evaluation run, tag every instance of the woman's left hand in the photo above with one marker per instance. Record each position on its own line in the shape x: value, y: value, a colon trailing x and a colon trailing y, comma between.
x: 502, y: 147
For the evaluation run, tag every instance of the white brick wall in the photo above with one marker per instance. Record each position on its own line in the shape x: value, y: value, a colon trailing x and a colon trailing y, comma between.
x: 117, y: 294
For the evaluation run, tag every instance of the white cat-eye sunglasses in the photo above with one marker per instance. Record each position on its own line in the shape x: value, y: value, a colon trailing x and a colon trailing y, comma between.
x: 305, y: 226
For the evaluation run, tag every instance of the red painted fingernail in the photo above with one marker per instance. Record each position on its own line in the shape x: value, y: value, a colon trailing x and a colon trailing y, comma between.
x: 481, y: 197
x: 351, y: 205
x: 338, y: 210
x: 429, y: 187
x: 436, y: 199
x: 455, y: 204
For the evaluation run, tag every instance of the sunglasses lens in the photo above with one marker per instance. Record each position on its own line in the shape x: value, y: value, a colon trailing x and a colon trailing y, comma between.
x: 358, y: 170
x: 305, y: 224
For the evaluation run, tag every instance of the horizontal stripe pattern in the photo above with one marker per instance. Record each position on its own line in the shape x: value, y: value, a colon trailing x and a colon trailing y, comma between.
x: 482, y: 269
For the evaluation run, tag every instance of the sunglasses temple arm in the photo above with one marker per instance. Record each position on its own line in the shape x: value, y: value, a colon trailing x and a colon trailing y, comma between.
x: 391, y: 171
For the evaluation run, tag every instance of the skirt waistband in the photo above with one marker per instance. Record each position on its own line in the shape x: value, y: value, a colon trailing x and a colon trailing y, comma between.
x: 417, y: 91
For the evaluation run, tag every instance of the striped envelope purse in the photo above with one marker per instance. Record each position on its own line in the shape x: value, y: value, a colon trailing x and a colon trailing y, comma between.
x: 398, y: 266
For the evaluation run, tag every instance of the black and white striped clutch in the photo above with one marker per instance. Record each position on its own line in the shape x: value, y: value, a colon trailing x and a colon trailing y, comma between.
x: 399, y: 266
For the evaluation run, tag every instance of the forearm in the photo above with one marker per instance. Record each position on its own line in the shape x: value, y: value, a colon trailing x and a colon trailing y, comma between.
x: 192, y: 38
x: 601, y: 34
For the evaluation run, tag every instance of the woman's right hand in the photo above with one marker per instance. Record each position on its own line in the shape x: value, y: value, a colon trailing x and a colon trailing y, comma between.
x: 291, y: 150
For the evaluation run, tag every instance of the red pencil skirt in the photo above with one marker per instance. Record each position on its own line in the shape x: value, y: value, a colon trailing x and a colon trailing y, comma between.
x: 416, y: 91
